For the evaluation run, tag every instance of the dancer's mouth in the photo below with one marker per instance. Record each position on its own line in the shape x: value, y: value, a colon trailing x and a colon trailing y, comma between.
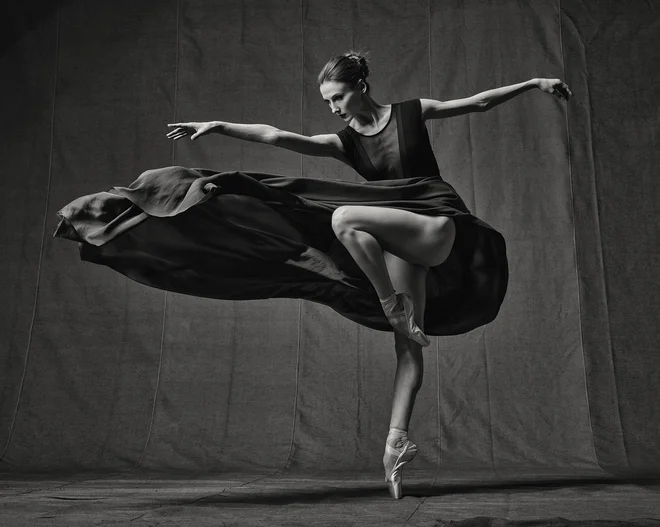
x: 342, y: 115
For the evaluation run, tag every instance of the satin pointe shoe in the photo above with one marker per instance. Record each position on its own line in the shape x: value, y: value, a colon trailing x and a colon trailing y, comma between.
x: 402, y: 456
x: 400, y: 311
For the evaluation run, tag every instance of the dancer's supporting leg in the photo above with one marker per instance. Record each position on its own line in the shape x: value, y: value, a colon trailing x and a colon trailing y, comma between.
x: 408, y: 278
x: 399, y: 450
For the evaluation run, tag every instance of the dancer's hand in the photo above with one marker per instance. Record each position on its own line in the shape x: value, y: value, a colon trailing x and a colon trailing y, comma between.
x: 556, y: 87
x: 195, y: 130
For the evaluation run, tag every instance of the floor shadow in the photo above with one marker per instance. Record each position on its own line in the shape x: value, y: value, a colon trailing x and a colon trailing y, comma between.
x: 537, y: 485
x: 296, y: 493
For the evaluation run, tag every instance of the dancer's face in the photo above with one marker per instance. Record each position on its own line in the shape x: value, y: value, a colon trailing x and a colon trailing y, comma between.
x: 341, y: 98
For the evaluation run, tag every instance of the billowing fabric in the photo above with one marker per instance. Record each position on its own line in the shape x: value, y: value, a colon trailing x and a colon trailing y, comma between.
x: 248, y: 235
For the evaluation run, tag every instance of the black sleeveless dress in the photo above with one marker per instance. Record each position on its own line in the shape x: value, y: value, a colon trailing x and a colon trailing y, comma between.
x: 249, y: 235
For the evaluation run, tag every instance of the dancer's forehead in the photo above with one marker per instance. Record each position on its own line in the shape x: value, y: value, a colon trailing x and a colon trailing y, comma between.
x: 331, y: 88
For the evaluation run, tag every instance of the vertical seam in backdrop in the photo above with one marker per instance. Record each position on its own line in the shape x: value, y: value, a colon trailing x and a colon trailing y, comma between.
x: 358, y: 331
x: 602, y: 261
x: 43, y: 236
x: 302, y: 159
x: 162, y: 334
x: 474, y: 211
x: 437, y: 340
x: 468, y: 117
x: 300, y: 301
x: 575, y: 251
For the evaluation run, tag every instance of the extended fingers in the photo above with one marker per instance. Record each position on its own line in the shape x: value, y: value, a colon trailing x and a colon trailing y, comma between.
x: 177, y: 133
x: 178, y: 128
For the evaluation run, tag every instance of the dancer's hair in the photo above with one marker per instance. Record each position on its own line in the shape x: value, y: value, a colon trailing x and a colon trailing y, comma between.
x: 349, y: 67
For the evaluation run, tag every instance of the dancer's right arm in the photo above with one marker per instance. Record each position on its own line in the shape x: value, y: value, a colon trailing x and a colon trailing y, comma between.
x: 324, y: 145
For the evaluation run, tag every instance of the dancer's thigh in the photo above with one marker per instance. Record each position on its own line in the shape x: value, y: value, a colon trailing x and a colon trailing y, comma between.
x: 417, y: 238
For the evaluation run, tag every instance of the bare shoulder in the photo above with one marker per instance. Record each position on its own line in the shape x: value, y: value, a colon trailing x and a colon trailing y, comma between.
x: 429, y: 107
x: 426, y: 103
x: 333, y: 146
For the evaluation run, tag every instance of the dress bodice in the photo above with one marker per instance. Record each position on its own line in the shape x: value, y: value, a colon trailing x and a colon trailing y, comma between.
x: 400, y: 150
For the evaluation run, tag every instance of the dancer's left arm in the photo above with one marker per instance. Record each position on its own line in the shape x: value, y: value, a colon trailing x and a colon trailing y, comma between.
x: 432, y: 109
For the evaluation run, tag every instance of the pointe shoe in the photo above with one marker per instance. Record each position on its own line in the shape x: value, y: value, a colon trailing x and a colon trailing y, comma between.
x: 394, y: 479
x: 403, y: 320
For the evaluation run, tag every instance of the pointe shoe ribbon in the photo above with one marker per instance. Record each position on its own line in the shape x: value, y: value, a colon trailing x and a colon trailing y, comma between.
x: 395, y: 478
x: 403, y: 320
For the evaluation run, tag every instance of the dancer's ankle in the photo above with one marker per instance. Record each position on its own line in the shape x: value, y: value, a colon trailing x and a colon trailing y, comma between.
x: 395, y: 430
x: 388, y: 299
x: 396, y: 437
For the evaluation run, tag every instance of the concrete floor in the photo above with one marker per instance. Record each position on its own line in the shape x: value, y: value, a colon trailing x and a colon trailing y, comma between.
x: 291, y: 498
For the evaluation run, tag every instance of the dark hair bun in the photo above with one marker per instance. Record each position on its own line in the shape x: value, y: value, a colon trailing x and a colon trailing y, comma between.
x: 361, y: 58
x: 350, y: 67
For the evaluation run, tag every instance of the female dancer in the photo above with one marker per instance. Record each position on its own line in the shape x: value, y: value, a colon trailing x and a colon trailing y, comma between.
x: 431, y: 263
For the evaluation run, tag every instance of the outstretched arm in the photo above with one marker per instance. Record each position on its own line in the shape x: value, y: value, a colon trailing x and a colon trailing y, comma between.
x: 324, y: 145
x: 432, y: 109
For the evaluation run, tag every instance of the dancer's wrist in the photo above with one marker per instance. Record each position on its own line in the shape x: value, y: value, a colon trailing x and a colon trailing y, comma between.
x: 216, y: 126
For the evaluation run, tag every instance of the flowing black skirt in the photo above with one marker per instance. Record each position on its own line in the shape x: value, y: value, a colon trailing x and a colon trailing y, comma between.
x: 246, y: 235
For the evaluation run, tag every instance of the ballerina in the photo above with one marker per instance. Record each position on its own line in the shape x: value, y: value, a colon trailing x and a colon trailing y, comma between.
x: 393, y: 247
x: 420, y: 235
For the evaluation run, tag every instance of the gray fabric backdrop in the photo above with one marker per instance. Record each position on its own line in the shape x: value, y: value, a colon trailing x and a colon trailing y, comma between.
x: 99, y: 372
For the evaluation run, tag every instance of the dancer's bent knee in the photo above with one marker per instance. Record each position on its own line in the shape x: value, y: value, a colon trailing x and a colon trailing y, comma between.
x: 338, y: 222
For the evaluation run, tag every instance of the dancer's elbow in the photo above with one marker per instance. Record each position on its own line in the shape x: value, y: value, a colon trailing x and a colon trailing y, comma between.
x: 271, y: 135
